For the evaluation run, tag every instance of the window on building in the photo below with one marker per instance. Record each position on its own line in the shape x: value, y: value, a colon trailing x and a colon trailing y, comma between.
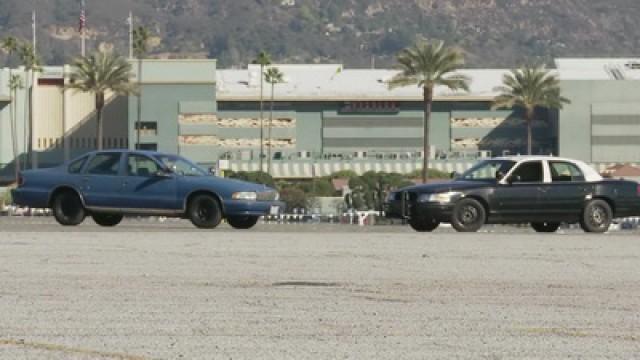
x: 148, y: 146
x: 104, y: 164
x: 147, y: 127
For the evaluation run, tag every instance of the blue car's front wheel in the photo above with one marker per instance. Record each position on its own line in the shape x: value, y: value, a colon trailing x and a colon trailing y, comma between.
x: 204, y: 212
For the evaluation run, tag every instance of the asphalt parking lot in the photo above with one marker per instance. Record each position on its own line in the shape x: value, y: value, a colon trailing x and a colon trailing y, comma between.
x: 149, y: 290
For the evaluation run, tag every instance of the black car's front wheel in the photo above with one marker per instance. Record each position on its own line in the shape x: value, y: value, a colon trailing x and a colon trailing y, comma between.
x: 107, y: 220
x: 545, y: 227
x: 468, y: 215
x: 423, y: 224
x: 596, y: 217
x: 68, y: 209
x: 204, y: 212
x: 242, y: 222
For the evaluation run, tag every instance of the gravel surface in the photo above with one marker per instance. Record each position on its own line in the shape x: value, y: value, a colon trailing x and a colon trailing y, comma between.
x: 164, y: 291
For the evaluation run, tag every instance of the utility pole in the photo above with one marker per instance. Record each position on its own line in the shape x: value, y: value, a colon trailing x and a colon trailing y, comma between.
x: 130, y: 22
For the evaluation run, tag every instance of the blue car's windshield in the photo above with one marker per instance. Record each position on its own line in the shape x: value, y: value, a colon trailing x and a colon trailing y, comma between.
x: 181, y: 166
x: 487, y: 170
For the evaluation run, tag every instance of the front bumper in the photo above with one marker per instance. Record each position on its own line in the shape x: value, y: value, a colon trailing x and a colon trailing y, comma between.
x: 411, y: 209
x: 253, y: 208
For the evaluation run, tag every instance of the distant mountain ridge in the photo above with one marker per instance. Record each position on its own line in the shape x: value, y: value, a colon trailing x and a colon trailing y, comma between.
x: 358, y: 33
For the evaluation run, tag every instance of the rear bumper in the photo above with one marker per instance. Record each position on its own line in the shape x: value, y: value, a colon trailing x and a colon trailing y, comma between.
x: 30, y: 198
x: 409, y: 209
x: 253, y: 208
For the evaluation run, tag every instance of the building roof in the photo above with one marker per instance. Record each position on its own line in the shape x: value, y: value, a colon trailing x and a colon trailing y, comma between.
x: 598, y: 68
x: 333, y: 82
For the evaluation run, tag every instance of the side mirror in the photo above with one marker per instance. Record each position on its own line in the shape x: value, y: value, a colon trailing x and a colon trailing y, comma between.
x: 212, y: 171
x: 500, y: 175
x: 454, y: 175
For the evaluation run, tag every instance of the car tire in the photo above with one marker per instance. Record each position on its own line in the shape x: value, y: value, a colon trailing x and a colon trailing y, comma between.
x: 468, y: 215
x: 242, y: 222
x: 68, y: 209
x: 107, y: 220
x: 204, y: 212
x: 596, y: 217
x: 424, y: 224
x: 545, y: 227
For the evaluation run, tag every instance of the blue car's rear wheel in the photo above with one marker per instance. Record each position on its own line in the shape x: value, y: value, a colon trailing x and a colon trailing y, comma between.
x: 204, y: 212
x: 68, y: 209
x: 107, y: 220
x: 242, y: 222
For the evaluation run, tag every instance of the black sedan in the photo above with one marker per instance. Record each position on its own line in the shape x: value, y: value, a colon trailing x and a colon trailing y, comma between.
x: 542, y: 191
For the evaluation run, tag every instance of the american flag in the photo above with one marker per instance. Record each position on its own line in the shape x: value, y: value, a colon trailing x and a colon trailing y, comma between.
x: 83, y: 19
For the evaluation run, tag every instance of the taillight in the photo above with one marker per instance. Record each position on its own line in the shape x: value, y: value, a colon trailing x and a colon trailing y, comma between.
x: 638, y: 190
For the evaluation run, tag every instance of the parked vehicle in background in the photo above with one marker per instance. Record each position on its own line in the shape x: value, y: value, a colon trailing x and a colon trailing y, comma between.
x: 107, y: 185
x: 542, y: 191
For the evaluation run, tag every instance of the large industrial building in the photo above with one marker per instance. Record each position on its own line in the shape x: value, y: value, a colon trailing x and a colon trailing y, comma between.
x: 325, y: 118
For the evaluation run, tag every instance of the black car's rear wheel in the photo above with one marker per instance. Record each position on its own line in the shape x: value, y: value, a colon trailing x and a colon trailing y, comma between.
x: 545, y: 227
x: 68, y: 209
x: 468, y: 215
x: 107, y: 220
x: 423, y: 224
x: 204, y: 212
x: 596, y: 217
x: 242, y: 222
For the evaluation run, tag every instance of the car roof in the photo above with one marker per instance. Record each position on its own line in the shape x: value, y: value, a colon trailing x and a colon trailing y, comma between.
x: 127, y: 151
x: 519, y: 158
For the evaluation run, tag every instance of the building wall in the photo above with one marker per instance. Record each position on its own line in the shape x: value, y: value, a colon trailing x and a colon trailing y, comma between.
x: 602, y: 123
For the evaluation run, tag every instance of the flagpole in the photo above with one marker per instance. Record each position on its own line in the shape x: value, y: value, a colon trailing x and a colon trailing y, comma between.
x: 83, y: 45
x: 130, y: 35
x: 34, y: 32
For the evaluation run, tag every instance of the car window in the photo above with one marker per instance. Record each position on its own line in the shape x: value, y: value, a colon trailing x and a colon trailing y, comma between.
x: 76, y: 166
x: 181, y: 166
x: 528, y: 172
x: 562, y: 171
x: 487, y: 170
x: 140, y: 165
x: 104, y: 164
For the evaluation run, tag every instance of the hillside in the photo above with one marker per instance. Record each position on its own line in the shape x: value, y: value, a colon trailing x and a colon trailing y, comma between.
x: 495, y: 33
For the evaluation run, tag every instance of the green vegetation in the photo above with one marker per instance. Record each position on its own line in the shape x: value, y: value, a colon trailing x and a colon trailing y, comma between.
x: 427, y: 65
x: 530, y: 88
x: 495, y: 33
x: 98, y: 74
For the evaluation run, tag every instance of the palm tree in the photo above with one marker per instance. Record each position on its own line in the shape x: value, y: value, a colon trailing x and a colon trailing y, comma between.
x: 529, y: 88
x: 10, y: 45
x: 32, y: 64
x: 98, y: 74
x: 15, y: 83
x: 140, y: 47
x: 273, y: 76
x: 263, y: 59
x: 428, y: 65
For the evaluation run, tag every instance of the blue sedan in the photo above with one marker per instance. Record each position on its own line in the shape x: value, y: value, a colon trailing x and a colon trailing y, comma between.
x: 107, y: 185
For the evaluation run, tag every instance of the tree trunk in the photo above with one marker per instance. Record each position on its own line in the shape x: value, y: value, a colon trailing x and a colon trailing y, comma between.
x: 14, y: 131
x: 529, y: 120
x: 269, y: 131
x: 99, y: 107
x: 428, y: 101
x: 28, y: 134
x: 139, y: 108
x: 261, y: 116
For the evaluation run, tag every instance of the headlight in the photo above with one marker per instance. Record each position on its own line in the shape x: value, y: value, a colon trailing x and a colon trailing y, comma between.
x: 252, y: 196
x: 442, y: 198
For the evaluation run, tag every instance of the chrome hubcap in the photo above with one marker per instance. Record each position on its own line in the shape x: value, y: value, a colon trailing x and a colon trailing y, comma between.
x: 469, y: 214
